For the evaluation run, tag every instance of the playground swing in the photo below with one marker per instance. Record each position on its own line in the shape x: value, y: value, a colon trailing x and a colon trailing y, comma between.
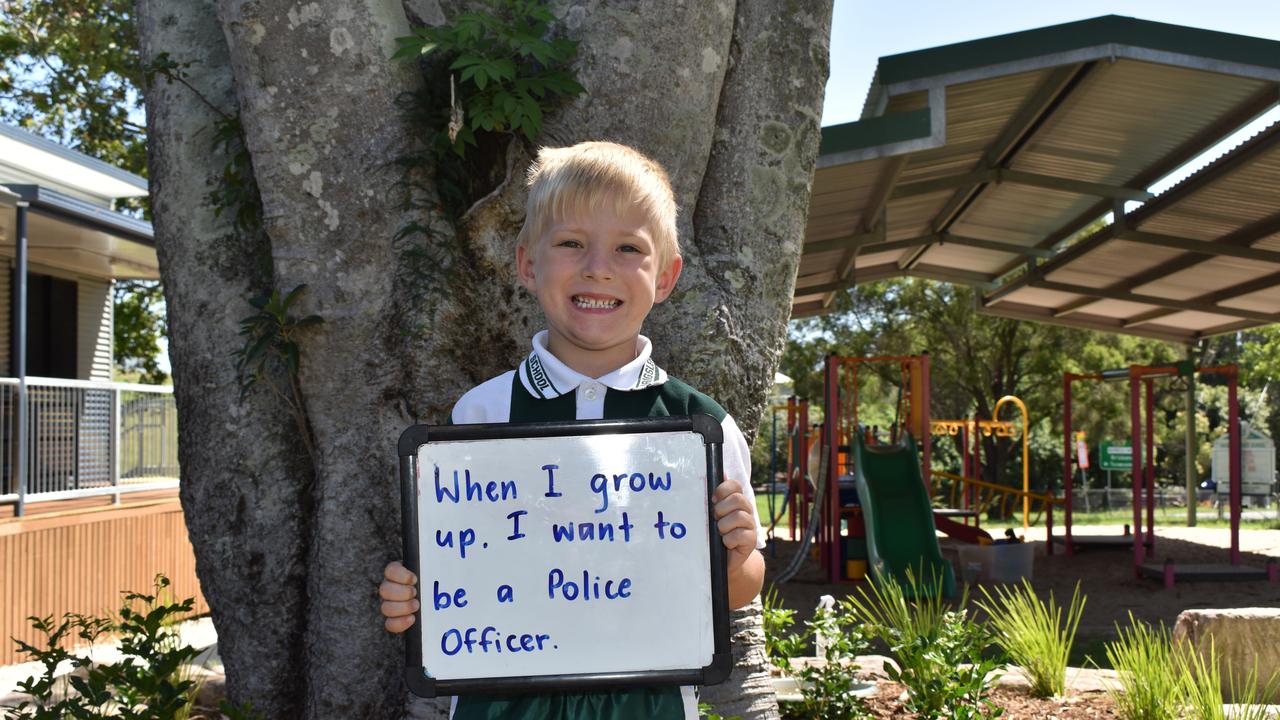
x: 1142, y: 438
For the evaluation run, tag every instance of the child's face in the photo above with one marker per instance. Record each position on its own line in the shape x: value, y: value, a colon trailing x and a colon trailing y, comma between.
x: 596, y: 274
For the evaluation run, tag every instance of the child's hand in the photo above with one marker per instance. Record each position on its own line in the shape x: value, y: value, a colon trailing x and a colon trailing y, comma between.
x: 735, y: 521
x: 399, y: 597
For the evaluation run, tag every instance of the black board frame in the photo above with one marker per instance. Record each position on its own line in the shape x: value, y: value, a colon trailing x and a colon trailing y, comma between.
x: 715, y: 672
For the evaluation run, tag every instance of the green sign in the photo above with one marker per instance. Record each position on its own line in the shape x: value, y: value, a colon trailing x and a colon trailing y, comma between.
x: 1113, y: 456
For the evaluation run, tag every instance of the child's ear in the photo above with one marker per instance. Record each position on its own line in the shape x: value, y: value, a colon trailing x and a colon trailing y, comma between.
x: 524, y: 267
x: 667, y: 279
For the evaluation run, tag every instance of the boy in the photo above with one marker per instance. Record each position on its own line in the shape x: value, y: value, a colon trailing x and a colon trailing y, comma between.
x: 598, y: 248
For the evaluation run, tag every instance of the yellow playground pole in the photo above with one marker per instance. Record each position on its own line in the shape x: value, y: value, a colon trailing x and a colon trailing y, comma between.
x: 1026, y: 484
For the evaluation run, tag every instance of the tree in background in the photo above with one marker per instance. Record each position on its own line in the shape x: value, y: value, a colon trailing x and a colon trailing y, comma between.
x: 137, y: 329
x: 975, y: 359
x: 336, y: 188
x: 70, y: 72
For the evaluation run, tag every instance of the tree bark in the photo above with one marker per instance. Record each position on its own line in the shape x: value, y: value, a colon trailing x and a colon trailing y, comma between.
x: 245, y: 475
x: 727, y: 97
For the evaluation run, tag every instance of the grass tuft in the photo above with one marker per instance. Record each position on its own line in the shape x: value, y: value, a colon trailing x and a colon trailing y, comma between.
x: 1034, y: 633
x: 1151, y: 686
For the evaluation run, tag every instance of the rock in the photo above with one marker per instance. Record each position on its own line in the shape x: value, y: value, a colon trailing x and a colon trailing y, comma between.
x: 1241, y: 637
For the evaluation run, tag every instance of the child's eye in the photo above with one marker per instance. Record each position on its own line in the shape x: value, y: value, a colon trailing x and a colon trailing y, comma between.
x: 630, y: 249
x: 569, y: 244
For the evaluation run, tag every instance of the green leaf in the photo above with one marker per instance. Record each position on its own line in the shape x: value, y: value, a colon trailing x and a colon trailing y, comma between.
x: 502, y: 69
x: 257, y: 349
x: 292, y: 296
x: 466, y: 61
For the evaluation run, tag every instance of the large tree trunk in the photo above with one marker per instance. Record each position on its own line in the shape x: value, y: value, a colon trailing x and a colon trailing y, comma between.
x: 246, y: 477
x: 292, y: 526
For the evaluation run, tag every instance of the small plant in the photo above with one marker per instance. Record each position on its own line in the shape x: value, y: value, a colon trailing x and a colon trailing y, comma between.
x: 271, y: 336
x: 509, y: 72
x: 1035, y: 634
x: 1151, y: 685
x: 780, y: 643
x: 149, y: 682
x: 911, y: 611
x: 825, y: 686
x: 939, y: 651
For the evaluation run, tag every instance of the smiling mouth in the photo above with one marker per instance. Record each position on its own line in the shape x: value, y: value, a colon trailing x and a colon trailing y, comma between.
x: 587, y: 303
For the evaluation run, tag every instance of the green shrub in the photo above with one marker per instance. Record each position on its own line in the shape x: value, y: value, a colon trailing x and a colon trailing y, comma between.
x: 825, y: 686
x: 1151, y: 685
x: 780, y: 643
x: 1034, y: 633
x: 939, y: 651
x: 150, y: 681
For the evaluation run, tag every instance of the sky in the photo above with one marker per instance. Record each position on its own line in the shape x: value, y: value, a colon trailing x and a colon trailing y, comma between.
x: 864, y: 30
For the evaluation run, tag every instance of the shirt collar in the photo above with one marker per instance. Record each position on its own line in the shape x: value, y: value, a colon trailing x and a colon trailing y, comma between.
x: 544, y: 376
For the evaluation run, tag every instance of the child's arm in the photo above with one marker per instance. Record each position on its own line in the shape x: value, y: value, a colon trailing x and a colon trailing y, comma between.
x: 399, y: 597
x: 737, y: 525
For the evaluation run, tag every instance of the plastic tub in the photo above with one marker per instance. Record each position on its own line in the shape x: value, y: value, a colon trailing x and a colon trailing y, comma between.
x: 1005, y: 562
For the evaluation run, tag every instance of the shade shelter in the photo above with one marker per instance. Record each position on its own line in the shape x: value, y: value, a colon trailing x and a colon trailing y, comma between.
x: 1016, y: 164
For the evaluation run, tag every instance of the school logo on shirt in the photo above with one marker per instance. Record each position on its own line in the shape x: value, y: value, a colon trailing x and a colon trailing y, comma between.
x: 648, y: 374
x: 538, y: 376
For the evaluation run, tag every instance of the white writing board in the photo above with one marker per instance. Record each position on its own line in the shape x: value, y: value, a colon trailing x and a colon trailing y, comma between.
x: 564, y: 555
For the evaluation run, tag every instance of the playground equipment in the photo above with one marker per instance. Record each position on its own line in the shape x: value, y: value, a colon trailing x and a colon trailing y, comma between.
x: 830, y: 511
x: 1143, y: 469
x: 978, y: 497
x: 902, y: 541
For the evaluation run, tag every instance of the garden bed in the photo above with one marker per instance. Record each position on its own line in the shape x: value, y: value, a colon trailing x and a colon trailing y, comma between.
x: 1086, y: 695
x: 1017, y: 704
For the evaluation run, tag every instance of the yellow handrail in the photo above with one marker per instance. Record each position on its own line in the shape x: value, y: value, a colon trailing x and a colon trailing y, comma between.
x: 999, y: 488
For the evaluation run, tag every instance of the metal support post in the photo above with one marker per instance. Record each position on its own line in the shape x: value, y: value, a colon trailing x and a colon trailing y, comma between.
x: 1191, y: 447
x: 20, y: 351
x: 1135, y: 441
x: 926, y: 438
x: 1151, y: 468
x: 115, y: 443
x: 1067, y: 486
x: 1235, y: 447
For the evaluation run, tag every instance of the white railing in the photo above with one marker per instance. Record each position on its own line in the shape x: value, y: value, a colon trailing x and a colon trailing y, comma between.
x: 86, y: 438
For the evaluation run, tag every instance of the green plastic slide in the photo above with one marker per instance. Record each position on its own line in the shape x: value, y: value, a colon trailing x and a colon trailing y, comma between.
x: 901, y: 535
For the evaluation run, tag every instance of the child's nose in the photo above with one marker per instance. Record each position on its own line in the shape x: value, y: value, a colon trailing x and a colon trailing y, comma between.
x: 599, y: 264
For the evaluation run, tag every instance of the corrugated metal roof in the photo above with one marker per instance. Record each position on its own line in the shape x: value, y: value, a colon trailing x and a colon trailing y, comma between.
x: 982, y: 162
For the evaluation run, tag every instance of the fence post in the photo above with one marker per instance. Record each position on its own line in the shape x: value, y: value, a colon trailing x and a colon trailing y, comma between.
x: 115, y: 443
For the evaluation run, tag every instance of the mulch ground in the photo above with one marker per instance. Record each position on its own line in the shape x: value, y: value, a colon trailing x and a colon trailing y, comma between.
x: 1016, y: 703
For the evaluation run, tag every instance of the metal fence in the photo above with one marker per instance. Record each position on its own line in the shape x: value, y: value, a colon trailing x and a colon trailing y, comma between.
x: 86, y: 438
x: 1167, y: 500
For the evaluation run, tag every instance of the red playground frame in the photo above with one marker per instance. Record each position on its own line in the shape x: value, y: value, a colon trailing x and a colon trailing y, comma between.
x: 1143, y: 441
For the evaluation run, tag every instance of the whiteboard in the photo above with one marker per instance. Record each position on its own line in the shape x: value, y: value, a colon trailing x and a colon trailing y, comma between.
x: 566, y: 555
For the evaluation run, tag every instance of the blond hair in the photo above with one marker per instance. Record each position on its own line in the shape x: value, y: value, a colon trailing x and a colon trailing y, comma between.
x: 569, y: 180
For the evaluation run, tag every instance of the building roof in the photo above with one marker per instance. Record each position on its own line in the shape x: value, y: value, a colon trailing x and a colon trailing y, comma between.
x: 71, y: 223
x: 994, y: 163
x: 29, y: 159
